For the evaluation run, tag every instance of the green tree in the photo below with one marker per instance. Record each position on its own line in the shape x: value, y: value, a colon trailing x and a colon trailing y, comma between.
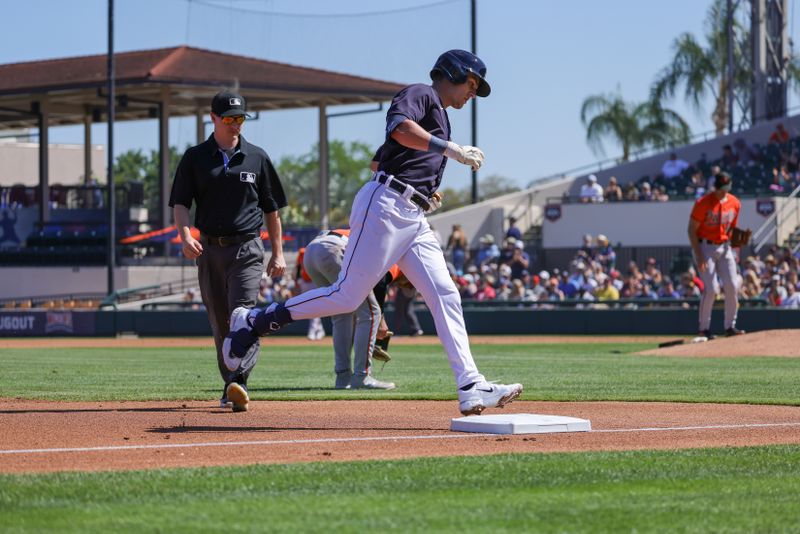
x: 136, y: 166
x: 630, y: 125
x: 348, y: 168
x: 496, y: 185
x: 701, y: 69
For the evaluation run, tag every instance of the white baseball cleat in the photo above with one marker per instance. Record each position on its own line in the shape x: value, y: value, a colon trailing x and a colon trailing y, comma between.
x: 230, y: 355
x: 484, y: 395
x: 367, y: 382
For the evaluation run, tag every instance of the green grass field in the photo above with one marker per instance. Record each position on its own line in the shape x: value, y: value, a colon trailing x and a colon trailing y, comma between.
x: 711, y: 490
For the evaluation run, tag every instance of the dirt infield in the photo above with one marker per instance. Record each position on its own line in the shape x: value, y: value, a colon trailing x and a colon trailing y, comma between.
x: 785, y: 343
x: 45, y: 436
x: 57, y: 436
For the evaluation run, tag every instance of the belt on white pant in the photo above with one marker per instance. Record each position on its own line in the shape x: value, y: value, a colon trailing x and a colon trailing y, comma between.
x: 405, y: 190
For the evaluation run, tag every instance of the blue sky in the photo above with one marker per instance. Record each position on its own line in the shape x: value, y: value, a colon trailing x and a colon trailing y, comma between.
x: 543, y: 59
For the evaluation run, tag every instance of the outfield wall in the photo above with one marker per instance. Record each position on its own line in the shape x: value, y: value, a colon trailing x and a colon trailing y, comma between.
x: 483, y: 321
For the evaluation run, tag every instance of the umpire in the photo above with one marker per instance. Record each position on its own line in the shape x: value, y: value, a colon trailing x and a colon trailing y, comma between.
x: 232, y: 182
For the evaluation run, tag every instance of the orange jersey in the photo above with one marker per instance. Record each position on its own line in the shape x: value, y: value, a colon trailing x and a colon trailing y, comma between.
x: 303, y: 274
x: 716, y: 217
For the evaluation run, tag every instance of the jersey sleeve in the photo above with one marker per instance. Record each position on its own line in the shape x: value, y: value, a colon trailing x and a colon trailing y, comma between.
x: 183, y: 184
x: 411, y: 102
x: 270, y: 192
x: 698, y: 210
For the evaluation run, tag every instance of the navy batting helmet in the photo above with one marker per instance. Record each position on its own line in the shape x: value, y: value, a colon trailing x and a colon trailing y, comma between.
x: 456, y: 64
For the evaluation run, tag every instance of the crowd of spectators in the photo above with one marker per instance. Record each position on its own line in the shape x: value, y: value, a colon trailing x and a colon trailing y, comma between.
x: 772, y: 167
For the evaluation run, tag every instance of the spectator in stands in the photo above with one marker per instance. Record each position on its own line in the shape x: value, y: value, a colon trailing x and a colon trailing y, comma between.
x: 487, y: 251
x: 485, y: 289
x: 715, y: 170
x: 507, y: 252
x: 688, y: 289
x: 605, y: 254
x: 660, y: 194
x: 668, y: 291
x: 519, y: 261
x: 613, y: 192
x: 673, y: 167
x: 554, y: 292
x: 746, y: 155
x: 778, y: 184
x: 728, y: 160
x: 751, y: 288
x: 513, y: 229
x: 697, y: 185
x: 775, y: 292
x: 538, y: 285
x: 591, y: 191
x: 567, y: 288
x: 8, y: 226
x: 780, y: 135
x: 606, y: 290
x: 631, y: 192
x: 645, y: 193
x: 652, y: 274
x: 792, y: 299
x: 457, y: 246
x: 587, y: 250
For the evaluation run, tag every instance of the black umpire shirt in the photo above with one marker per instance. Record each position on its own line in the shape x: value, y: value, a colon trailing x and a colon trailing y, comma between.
x: 230, y: 198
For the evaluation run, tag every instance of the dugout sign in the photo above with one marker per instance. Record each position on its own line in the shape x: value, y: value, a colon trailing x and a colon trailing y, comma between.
x: 47, y: 323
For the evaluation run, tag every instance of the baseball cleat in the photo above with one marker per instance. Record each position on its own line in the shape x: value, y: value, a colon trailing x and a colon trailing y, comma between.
x: 367, y: 382
x: 733, y: 331
x: 239, y: 340
x: 380, y: 355
x: 707, y: 334
x: 484, y: 395
x: 343, y: 380
x: 223, y: 401
x: 237, y: 396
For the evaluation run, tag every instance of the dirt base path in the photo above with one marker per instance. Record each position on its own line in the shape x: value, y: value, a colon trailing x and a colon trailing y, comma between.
x: 58, y: 436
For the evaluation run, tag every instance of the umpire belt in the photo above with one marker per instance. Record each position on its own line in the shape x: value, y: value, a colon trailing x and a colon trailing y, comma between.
x: 227, y: 240
x: 405, y: 190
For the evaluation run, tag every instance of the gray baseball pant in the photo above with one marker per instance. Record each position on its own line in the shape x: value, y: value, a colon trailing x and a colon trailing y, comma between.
x: 351, y: 331
x: 229, y: 277
x: 719, y: 260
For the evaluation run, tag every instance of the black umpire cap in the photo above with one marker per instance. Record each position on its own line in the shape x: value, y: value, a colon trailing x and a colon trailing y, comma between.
x: 228, y: 104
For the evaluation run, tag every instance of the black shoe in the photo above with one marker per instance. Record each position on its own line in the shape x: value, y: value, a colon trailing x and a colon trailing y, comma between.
x: 733, y: 331
x: 707, y: 334
x: 223, y: 401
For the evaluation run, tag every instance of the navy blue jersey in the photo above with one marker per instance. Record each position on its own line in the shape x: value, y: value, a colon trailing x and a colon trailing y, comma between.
x: 418, y: 168
x: 230, y: 197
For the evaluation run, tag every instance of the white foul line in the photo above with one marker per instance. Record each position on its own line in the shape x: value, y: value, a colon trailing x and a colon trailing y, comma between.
x: 229, y: 443
x: 374, y: 438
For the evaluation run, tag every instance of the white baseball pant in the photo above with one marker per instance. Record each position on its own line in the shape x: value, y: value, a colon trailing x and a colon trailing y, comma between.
x: 719, y: 260
x: 387, y: 228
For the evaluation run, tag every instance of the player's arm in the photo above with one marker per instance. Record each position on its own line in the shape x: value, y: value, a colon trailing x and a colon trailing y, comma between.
x: 191, y: 247
x: 277, y: 264
x: 411, y: 135
x: 694, y: 225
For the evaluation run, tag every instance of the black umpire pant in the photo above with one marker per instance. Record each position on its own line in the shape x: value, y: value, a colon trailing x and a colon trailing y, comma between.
x: 229, y: 277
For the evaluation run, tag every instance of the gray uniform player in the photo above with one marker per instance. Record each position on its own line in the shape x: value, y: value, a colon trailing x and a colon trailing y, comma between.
x: 388, y: 226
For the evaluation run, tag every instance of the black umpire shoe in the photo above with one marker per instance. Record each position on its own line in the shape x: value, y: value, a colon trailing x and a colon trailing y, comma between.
x: 707, y: 334
x: 733, y: 331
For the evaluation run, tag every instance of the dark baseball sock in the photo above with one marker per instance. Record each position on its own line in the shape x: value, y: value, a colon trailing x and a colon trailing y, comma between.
x: 271, y: 321
x: 465, y: 388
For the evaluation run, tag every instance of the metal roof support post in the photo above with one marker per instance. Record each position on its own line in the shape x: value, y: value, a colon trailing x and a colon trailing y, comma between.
x: 324, y: 177
x: 200, y: 126
x: 87, y: 147
x: 44, y: 160
x: 163, y: 156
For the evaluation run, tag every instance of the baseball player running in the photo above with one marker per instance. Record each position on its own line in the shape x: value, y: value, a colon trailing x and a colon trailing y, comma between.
x: 388, y: 226
x: 323, y: 263
x: 713, y: 218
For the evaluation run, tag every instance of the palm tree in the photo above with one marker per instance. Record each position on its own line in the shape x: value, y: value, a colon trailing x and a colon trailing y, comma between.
x: 631, y: 125
x: 702, y: 70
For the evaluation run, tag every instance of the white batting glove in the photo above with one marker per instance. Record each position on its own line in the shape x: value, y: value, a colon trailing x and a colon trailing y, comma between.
x: 468, y: 155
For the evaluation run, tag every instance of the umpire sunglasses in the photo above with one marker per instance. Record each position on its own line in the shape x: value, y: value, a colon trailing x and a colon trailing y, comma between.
x: 238, y: 119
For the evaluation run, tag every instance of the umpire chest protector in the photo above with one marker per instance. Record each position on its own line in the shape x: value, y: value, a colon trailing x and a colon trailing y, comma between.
x: 230, y: 191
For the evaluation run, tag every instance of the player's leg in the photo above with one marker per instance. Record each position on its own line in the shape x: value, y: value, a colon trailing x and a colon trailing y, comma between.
x: 323, y: 261
x: 426, y: 269
x: 710, y: 288
x: 726, y: 267
x: 368, y: 318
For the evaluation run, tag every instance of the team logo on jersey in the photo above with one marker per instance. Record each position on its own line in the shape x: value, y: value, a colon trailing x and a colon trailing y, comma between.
x: 247, y: 177
x: 552, y: 212
x: 765, y: 207
x: 235, y: 102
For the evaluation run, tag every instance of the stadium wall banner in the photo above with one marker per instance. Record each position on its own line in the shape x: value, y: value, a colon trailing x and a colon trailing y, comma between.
x: 47, y: 323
